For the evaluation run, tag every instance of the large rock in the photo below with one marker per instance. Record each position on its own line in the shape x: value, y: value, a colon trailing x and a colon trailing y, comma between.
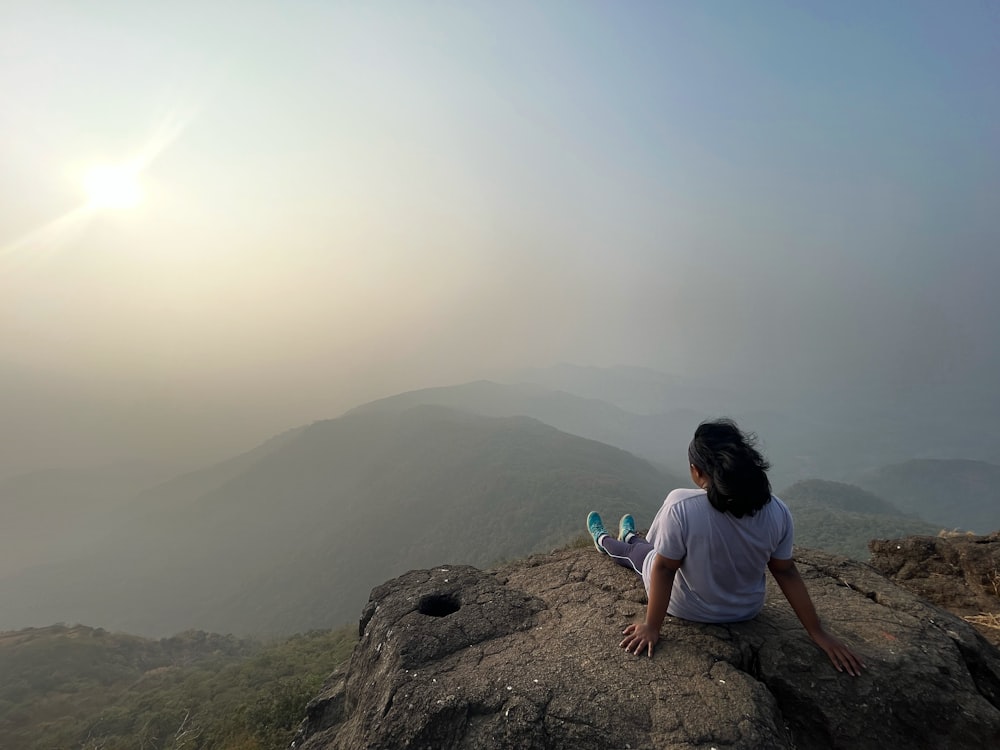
x: 960, y: 572
x: 527, y: 656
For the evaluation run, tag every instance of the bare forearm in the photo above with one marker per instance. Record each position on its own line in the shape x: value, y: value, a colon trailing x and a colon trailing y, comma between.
x: 661, y: 583
x: 794, y: 589
x: 643, y: 636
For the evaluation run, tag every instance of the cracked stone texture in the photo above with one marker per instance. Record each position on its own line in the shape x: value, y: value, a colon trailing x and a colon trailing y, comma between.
x: 529, y: 659
x: 959, y: 572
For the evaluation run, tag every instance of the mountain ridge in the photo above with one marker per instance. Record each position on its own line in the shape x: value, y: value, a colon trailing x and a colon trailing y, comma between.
x: 253, y: 555
x: 953, y: 492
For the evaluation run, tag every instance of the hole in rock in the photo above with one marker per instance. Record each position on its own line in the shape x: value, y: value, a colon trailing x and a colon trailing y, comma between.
x: 438, y: 605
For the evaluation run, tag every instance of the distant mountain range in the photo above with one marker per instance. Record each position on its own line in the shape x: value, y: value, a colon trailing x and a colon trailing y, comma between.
x: 801, y: 443
x: 295, y: 534
x: 800, y: 447
x: 810, y: 431
x: 659, y: 437
x: 843, y: 518
x: 838, y: 496
x: 953, y: 493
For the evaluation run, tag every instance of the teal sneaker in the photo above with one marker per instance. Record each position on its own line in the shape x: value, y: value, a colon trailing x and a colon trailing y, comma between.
x: 596, y: 528
x: 626, y: 527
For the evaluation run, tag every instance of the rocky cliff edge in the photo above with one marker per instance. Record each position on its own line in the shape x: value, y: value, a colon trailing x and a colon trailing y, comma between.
x: 960, y: 572
x: 526, y: 656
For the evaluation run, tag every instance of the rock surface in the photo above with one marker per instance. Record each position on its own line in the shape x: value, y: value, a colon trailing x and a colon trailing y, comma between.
x: 526, y: 656
x: 959, y: 572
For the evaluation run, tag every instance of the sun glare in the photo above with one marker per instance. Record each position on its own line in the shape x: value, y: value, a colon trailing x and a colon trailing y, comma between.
x: 113, y: 187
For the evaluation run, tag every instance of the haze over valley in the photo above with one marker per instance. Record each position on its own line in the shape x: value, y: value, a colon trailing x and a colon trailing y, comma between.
x: 293, y: 534
x: 242, y: 244
x: 295, y: 298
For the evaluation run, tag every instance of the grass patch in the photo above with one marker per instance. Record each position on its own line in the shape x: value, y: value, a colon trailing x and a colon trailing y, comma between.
x: 985, y: 619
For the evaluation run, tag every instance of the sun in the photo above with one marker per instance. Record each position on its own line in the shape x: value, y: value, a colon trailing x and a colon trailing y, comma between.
x: 113, y: 187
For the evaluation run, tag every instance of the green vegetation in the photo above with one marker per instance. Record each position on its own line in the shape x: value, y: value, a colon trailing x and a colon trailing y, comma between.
x: 79, y: 687
x: 494, y: 489
x: 839, y: 496
x: 842, y: 518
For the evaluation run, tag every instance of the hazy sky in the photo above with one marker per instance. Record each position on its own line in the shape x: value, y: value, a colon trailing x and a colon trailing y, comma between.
x: 343, y: 200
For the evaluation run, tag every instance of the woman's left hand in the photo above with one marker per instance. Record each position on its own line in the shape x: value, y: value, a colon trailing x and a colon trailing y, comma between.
x: 639, y: 636
x: 842, y: 658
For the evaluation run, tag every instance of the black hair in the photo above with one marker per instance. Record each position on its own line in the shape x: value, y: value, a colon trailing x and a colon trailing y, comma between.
x: 736, y: 470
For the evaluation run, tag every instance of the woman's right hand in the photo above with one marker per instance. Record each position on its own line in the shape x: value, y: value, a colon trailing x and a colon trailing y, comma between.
x: 639, y: 636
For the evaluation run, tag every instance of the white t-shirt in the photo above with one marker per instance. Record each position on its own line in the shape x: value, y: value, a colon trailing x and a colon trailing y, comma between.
x: 724, y: 558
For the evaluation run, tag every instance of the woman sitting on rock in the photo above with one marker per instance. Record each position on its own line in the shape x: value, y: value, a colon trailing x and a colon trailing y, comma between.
x: 706, y: 551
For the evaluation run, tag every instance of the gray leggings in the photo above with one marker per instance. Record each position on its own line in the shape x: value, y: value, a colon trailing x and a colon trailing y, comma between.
x: 630, y: 554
